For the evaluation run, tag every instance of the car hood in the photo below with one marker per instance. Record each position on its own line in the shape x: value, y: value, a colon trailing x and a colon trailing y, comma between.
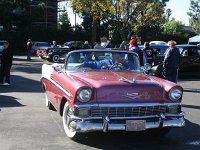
x: 122, y: 87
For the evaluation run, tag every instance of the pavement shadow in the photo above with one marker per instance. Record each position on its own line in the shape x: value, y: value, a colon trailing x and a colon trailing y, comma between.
x: 190, y: 77
x: 191, y: 90
x: 21, y: 84
x: 28, y: 68
x: 177, y: 137
x: 33, y: 66
x: 191, y: 106
x: 9, y: 101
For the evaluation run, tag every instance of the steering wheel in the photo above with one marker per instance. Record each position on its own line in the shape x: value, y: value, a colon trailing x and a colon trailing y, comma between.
x: 117, y: 66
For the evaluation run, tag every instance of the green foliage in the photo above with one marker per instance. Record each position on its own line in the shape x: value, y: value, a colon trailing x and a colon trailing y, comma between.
x: 14, y: 13
x: 64, y: 22
x: 194, y: 14
x: 122, y: 15
x: 87, y: 22
x: 173, y: 27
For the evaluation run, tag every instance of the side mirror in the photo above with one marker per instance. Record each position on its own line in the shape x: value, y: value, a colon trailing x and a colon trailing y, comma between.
x: 57, y: 67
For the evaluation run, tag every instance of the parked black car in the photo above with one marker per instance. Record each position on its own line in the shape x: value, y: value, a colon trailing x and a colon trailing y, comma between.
x: 189, y: 63
x: 69, y: 44
x: 52, y: 54
x: 160, y: 52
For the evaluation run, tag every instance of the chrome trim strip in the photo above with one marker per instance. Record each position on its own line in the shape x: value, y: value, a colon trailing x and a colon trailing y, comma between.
x: 113, y: 118
x: 127, y: 105
x: 182, y: 114
x: 59, y: 86
x: 89, y: 127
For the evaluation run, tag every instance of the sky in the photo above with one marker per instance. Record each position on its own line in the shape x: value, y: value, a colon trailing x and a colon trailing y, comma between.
x: 179, y: 11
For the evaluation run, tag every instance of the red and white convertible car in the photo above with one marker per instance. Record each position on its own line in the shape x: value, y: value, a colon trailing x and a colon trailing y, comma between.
x: 106, y: 90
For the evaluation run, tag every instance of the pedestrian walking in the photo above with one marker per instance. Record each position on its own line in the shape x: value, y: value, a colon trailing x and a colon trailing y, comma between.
x: 151, y: 55
x: 29, y: 49
x: 171, y: 62
x: 6, y: 63
x: 86, y: 45
x: 133, y: 46
x: 74, y: 46
x: 54, y: 44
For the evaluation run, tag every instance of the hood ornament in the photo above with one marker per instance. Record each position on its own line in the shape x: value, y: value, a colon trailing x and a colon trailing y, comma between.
x: 132, y: 95
x: 128, y: 81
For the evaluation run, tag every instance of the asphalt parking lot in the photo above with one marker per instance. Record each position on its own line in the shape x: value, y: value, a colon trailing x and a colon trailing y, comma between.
x: 26, y: 124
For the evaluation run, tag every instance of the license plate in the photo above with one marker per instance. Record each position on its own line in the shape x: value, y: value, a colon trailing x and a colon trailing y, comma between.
x: 135, y: 125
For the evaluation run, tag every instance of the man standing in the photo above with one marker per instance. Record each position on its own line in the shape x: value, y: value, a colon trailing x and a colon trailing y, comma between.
x: 29, y: 49
x: 171, y: 62
x: 151, y: 56
x: 6, y: 63
x: 54, y: 44
x: 133, y: 46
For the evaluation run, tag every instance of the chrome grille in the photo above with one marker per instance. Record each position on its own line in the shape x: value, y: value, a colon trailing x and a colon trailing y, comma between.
x: 128, y: 111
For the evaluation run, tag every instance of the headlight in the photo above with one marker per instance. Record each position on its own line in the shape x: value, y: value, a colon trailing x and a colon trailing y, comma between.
x: 84, y: 94
x: 175, y: 94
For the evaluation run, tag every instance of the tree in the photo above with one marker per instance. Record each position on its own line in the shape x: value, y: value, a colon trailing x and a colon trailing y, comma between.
x: 194, y: 14
x: 14, y: 13
x: 173, y: 27
x: 64, y: 22
x: 87, y: 22
x: 122, y: 15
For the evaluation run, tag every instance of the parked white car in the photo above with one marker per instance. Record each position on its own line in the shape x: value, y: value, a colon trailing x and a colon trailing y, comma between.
x: 158, y: 43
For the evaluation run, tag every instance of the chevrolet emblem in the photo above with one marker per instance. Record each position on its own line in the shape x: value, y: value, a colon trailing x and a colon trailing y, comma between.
x: 132, y: 95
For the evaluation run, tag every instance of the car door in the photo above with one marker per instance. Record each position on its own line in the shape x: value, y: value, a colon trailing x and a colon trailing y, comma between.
x: 190, y: 60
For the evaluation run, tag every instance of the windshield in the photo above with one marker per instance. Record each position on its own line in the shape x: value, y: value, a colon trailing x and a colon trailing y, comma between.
x: 102, y: 61
x: 43, y: 44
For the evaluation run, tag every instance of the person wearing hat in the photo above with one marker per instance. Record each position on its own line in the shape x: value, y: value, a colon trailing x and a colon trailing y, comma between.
x: 29, y: 49
x: 6, y: 63
x: 133, y: 46
x: 171, y: 62
x: 86, y: 45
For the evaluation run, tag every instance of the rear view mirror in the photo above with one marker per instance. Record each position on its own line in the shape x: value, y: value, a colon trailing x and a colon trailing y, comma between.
x: 57, y: 67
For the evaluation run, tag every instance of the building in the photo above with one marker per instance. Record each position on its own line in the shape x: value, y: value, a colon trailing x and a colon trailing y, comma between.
x: 44, y: 14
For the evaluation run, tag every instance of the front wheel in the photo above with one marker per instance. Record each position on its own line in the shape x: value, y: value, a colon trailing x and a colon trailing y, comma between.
x: 55, y: 58
x: 70, y: 132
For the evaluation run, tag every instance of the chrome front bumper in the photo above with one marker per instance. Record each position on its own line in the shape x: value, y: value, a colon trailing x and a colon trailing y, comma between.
x: 85, y: 125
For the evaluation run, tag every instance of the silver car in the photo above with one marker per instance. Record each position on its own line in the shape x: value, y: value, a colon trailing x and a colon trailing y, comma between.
x: 39, y: 45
